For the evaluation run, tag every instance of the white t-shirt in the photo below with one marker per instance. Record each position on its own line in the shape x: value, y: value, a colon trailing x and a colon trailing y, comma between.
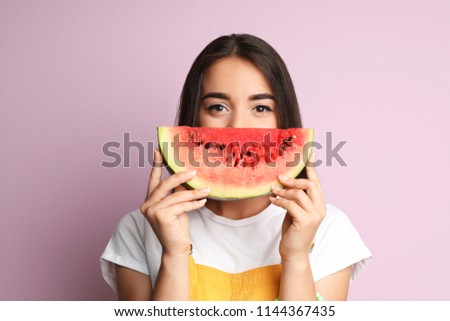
x: 235, y: 246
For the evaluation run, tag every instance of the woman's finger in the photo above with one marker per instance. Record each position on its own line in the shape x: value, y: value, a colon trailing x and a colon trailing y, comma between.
x: 162, y: 189
x: 156, y: 172
x: 311, y: 187
x: 290, y: 206
x: 297, y: 195
x: 182, y: 197
x: 179, y: 188
x: 166, y: 185
x: 311, y: 172
x: 179, y: 209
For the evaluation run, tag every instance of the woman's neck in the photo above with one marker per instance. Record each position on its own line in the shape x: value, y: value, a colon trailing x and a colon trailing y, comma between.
x: 237, y: 210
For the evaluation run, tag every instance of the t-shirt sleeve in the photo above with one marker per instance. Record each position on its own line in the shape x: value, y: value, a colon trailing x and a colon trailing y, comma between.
x: 337, y: 246
x: 126, y: 248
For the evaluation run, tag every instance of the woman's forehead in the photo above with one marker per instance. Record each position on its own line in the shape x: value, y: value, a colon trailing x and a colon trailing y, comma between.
x: 233, y: 75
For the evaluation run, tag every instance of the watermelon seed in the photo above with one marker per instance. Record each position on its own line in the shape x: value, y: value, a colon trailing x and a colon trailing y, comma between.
x: 208, y: 145
x: 288, y: 141
x: 281, y: 149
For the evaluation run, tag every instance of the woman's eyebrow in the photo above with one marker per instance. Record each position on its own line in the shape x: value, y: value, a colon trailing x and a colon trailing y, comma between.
x: 216, y: 95
x: 225, y: 96
x: 261, y: 96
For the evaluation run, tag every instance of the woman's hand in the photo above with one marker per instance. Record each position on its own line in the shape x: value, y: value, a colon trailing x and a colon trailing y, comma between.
x: 303, y: 201
x: 167, y: 213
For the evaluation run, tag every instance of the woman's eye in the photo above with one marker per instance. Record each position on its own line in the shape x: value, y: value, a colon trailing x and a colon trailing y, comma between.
x: 216, y: 108
x: 262, y: 108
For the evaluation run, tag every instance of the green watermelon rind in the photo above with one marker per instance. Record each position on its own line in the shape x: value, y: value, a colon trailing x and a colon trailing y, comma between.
x: 217, y: 190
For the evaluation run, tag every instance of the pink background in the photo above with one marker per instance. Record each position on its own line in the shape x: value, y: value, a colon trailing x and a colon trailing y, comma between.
x: 77, y: 74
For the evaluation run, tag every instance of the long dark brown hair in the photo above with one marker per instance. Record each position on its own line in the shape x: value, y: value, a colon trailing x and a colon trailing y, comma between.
x: 256, y: 51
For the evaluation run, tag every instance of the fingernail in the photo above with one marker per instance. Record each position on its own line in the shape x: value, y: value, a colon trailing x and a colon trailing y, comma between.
x: 272, y: 199
x: 283, y: 178
x: 204, y: 190
x: 192, y: 173
x: 202, y: 200
x: 275, y: 188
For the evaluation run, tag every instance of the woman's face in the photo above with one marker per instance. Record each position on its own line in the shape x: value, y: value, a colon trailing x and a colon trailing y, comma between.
x: 236, y: 94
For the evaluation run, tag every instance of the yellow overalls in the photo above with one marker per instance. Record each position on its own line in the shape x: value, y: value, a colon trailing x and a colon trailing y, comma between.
x: 209, y: 284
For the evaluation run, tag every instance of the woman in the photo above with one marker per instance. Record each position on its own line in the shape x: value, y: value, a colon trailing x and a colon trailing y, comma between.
x: 289, y: 245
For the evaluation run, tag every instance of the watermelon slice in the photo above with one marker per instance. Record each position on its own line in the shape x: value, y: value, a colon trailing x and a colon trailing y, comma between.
x: 236, y: 163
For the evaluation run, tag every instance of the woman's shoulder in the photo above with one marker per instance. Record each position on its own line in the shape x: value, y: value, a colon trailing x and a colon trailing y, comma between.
x: 336, y: 223
x: 133, y: 216
x: 335, y: 215
x: 131, y: 223
x: 338, y: 244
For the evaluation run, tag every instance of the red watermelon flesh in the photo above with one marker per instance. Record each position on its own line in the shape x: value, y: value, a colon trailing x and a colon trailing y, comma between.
x: 236, y: 163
